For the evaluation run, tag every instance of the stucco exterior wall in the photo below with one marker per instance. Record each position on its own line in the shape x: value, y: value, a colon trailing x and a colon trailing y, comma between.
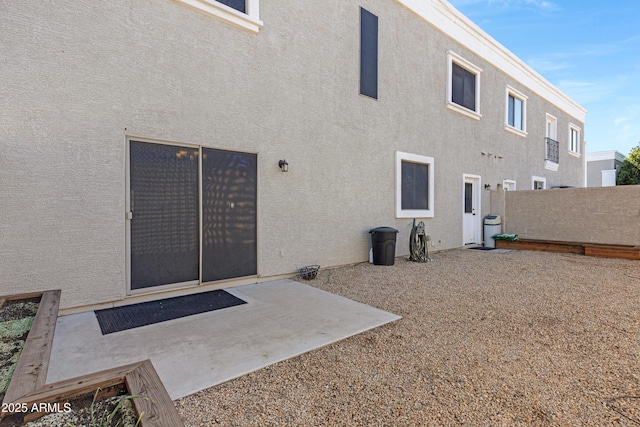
x: 609, y: 215
x: 86, y: 76
x: 594, y: 171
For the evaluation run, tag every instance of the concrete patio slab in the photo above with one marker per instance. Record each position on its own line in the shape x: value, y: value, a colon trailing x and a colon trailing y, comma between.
x: 282, y: 319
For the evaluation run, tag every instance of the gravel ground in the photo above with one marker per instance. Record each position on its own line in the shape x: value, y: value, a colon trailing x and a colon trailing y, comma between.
x: 487, y: 339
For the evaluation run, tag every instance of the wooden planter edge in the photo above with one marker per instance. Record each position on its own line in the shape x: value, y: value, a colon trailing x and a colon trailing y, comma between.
x: 140, y: 379
x: 31, y: 370
x: 589, y: 249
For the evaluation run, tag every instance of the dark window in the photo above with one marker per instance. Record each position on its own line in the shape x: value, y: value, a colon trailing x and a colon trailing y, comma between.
x: 463, y: 87
x: 468, y: 197
x: 238, y: 5
x: 415, y: 186
x: 515, y: 112
x: 368, y: 54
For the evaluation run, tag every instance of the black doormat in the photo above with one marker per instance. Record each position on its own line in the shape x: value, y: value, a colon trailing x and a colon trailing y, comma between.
x: 147, y: 313
x: 483, y: 248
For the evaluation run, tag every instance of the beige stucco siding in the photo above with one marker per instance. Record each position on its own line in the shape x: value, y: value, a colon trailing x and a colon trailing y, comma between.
x: 83, y: 77
x: 608, y: 215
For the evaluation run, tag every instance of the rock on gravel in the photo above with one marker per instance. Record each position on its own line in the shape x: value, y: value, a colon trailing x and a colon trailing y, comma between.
x: 487, y: 339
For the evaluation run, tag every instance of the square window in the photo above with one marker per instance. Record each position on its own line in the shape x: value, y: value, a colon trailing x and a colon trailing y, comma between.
x: 538, y: 183
x: 509, y: 185
x: 414, y: 186
x: 463, y: 86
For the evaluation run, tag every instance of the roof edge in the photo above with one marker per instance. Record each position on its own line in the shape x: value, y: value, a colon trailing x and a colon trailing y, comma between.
x: 605, y: 155
x: 449, y: 20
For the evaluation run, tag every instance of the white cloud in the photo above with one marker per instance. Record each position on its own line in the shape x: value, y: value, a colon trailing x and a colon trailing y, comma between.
x: 586, y: 92
x: 549, y: 64
x: 627, y: 127
x: 613, y: 125
x: 542, y: 4
x: 545, y: 5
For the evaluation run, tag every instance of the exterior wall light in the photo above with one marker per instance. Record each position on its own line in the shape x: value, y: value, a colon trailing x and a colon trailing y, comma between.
x: 487, y: 186
x: 284, y: 166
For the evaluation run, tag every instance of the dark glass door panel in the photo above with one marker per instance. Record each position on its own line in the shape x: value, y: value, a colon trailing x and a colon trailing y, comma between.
x: 229, y: 212
x: 165, y: 224
x: 468, y: 197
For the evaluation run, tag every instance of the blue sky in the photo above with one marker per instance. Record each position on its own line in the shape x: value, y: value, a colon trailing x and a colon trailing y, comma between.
x: 589, y: 49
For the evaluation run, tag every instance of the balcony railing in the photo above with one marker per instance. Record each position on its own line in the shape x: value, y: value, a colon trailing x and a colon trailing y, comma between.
x: 552, y: 150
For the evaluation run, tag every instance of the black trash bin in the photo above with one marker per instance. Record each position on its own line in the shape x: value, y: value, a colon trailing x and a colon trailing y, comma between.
x: 383, y: 242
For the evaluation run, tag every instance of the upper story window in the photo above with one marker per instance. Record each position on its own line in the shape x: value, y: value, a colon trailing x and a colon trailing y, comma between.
x: 463, y: 86
x: 241, y: 13
x: 509, y: 185
x: 368, y: 54
x: 414, y: 186
x: 552, y: 152
x: 516, y: 112
x: 574, y: 139
x: 239, y: 5
x: 538, y: 183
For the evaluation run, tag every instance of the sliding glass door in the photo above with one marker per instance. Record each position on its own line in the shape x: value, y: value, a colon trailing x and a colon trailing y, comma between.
x: 192, y: 214
x: 228, y: 214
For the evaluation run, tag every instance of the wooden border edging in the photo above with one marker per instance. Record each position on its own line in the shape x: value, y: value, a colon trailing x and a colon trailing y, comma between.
x: 607, y: 251
x: 159, y: 409
x: 28, y: 382
x: 140, y: 379
x: 31, y: 370
x: 589, y: 249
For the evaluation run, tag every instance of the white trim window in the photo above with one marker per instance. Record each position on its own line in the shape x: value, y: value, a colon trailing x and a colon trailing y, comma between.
x: 241, y: 13
x: 509, y: 185
x: 414, y: 185
x: 515, y: 111
x: 463, y: 86
x: 552, y: 150
x: 538, y: 183
x: 574, y: 139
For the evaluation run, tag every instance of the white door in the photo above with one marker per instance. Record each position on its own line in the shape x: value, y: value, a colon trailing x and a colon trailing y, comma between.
x: 471, y: 210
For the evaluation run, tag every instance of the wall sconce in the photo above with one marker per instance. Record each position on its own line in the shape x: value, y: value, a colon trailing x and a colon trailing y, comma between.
x: 487, y: 186
x: 284, y: 166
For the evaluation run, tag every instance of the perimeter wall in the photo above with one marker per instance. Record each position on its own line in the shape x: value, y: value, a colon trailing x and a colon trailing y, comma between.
x: 606, y: 215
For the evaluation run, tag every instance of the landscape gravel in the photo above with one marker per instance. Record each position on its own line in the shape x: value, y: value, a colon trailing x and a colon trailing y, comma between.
x: 487, y: 338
